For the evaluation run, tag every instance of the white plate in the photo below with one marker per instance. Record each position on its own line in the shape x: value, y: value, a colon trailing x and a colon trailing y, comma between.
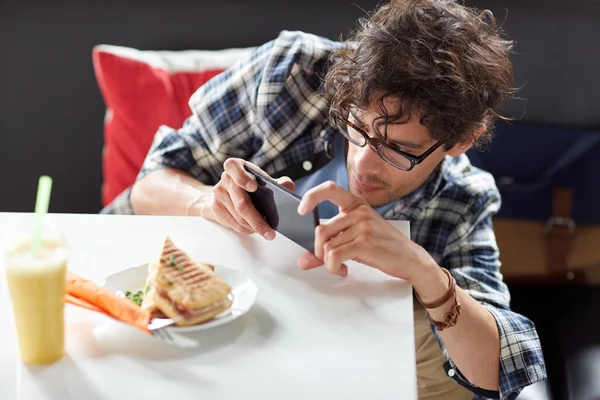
x: 244, y: 292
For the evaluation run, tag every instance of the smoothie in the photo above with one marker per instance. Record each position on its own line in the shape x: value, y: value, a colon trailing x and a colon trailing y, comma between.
x: 37, y: 290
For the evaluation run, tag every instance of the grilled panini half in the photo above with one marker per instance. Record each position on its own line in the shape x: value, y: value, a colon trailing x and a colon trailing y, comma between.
x: 183, y: 287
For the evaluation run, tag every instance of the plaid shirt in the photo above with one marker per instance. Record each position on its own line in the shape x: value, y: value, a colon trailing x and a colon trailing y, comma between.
x: 268, y: 109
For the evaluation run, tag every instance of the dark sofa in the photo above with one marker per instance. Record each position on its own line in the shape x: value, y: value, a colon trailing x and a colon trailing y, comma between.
x: 51, y: 111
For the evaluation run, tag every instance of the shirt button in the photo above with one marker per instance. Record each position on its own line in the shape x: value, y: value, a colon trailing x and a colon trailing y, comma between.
x: 307, y: 165
x: 451, y: 373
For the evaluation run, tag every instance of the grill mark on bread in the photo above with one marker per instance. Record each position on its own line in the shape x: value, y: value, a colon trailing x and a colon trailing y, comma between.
x: 191, y: 275
x: 186, y: 287
x: 184, y: 268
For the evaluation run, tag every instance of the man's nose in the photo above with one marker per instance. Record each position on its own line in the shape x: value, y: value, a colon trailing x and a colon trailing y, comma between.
x: 367, y: 161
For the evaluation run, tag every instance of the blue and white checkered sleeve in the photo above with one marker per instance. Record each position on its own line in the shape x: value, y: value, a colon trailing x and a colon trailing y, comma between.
x: 474, y: 262
x: 220, y: 127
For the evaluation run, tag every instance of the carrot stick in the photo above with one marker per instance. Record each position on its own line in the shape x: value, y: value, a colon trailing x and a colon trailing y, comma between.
x: 78, y: 302
x: 106, y: 301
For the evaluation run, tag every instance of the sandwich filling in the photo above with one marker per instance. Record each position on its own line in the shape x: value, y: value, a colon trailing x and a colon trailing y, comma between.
x: 189, y: 313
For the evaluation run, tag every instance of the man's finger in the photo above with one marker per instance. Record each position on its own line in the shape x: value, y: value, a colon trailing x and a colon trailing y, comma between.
x: 335, y: 257
x: 309, y: 261
x: 234, y: 167
x: 223, y: 198
x: 228, y: 203
x: 225, y: 218
x: 332, y: 228
x: 346, y: 236
x: 222, y: 202
x: 246, y: 211
x: 328, y: 191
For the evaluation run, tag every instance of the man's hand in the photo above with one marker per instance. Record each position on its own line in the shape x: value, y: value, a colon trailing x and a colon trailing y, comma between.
x: 358, y: 233
x: 231, y: 206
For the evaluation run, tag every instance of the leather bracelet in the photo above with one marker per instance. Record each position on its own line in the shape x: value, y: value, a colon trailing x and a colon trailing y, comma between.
x: 449, y: 319
x: 452, y: 316
x: 442, y: 300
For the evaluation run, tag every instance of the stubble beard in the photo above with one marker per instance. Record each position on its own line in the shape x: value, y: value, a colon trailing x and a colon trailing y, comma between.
x: 386, y: 194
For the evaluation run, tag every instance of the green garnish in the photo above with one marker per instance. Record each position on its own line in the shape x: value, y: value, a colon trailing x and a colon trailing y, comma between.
x: 174, y: 264
x: 170, y: 283
x: 136, y: 297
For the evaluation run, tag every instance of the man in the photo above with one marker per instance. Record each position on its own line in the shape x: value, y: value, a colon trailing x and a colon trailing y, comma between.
x: 369, y: 130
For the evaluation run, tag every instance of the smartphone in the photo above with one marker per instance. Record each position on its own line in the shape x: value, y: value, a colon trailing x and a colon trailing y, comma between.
x: 279, y: 207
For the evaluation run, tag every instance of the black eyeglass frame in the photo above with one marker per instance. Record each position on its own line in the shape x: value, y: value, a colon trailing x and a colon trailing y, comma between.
x: 377, y: 143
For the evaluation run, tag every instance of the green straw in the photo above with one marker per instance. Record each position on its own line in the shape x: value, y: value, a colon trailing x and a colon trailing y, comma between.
x: 41, y: 209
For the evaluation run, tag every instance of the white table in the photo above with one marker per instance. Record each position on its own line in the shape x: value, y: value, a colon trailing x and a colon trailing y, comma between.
x: 311, y: 335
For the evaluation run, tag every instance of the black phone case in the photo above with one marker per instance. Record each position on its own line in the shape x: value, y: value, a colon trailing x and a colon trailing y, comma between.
x: 263, y: 200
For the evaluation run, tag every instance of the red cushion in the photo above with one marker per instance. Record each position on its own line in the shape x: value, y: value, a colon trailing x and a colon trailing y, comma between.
x: 142, y: 91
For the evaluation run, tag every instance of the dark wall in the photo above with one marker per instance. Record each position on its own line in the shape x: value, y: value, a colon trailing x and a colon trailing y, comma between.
x: 51, y: 111
x: 557, y: 58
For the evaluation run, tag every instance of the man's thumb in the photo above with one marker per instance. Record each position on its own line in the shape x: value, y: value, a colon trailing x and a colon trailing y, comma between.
x: 287, y: 183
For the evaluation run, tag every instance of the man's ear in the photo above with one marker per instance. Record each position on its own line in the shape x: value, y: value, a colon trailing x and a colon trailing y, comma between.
x: 461, y: 148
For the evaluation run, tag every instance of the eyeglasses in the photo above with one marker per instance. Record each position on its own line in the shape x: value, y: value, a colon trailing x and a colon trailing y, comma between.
x: 388, y: 151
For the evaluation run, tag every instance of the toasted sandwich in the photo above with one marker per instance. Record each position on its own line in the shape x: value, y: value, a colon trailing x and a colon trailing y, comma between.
x: 181, y: 287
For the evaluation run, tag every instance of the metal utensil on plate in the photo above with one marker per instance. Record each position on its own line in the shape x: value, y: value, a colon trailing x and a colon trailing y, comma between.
x: 157, y: 328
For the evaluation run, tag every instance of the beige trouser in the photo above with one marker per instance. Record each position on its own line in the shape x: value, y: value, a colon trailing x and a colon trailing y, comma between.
x: 432, y: 381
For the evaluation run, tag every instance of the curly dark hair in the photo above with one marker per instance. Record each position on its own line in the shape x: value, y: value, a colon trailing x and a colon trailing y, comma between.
x: 447, y: 62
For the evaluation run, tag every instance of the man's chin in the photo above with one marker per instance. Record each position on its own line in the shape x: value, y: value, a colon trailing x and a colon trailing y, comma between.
x: 374, y: 200
x: 380, y: 203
